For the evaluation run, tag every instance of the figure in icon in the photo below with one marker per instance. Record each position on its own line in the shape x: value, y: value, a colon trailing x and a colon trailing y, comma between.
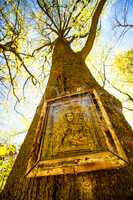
x: 73, y: 131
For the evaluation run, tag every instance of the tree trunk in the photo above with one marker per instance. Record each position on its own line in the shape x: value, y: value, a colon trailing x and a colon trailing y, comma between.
x: 68, y: 73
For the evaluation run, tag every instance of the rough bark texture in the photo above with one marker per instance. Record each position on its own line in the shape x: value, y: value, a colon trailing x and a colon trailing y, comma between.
x: 68, y: 73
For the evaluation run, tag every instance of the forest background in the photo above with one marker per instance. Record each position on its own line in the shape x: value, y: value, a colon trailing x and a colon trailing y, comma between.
x: 110, y: 62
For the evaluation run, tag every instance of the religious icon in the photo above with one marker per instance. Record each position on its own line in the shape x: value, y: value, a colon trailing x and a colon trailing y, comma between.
x: 72, y: 129
x: 76, y: 136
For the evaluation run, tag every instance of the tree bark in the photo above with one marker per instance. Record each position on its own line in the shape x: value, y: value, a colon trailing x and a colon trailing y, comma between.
x: 69, y: 72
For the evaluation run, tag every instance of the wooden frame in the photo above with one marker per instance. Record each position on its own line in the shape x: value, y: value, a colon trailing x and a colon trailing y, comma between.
x: 105, y: 153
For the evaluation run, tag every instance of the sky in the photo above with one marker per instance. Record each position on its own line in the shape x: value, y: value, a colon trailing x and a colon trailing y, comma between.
x: 15, y: 125
x: 112, y: 38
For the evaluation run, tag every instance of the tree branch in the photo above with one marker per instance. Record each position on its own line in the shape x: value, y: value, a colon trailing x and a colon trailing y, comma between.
x: 59, y: 14
x: 75, y: 37
x: 120, y: 91
x: 34, y: 80
x: 92, y: 33
x: 9, y: 48
x: 11, y: 78
x: 130, y: 109
x: 45, y: 10
x: 123, y: 25
x: 41, y: 47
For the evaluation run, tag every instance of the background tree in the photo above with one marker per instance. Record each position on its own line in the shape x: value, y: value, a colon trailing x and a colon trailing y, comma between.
x: 124, y: 63
x: 12, y: 52
x: 7, y: 158
x: 123, y: 19
x: 68, y: 73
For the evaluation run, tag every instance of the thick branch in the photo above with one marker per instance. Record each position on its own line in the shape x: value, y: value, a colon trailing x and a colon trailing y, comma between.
x: 92, y: 34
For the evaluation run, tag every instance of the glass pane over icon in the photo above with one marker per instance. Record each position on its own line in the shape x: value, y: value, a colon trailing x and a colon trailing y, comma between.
x: 73, y: 127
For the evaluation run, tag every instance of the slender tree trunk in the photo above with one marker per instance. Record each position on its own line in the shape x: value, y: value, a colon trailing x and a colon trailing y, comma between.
x: 68, y: 73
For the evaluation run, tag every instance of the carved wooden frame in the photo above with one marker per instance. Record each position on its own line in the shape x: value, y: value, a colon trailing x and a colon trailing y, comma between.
x: 108, y: 159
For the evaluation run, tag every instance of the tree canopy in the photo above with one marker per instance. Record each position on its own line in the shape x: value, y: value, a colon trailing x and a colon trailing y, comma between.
x: 29, y: 31
x: 124, y: 63
x: 70, y: 20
